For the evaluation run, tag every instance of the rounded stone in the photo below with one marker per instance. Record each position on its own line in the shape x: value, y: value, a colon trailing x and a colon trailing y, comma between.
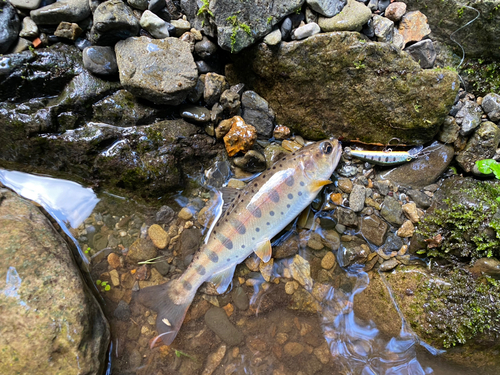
x: 159, y: 237
x: 9, y: 27
x: 293, y: 349
x: 100, y: 60
x: 395, y: 11
x: 328, y: 261
x: 205, y: 48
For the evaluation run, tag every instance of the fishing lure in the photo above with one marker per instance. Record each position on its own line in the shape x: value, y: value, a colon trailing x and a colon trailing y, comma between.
x: 386, y: 157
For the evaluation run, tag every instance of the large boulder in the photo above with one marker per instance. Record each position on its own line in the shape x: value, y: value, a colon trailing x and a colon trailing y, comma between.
x: 339, y: 84
x: 160, y: 70
x: 50, y: 323
x: 480, y: 38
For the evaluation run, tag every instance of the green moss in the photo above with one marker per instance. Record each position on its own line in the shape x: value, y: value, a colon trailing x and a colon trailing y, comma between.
x: 483, y: 76
x: 237, y: 25
x: 468, y: 222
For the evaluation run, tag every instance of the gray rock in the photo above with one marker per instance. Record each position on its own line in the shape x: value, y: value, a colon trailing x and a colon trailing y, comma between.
x: 397, y: 39
x: 273, y: 38
x: 122, y: 311
x: 382, y: 186
x: 197, y: 92
x: 307, y: 30
x: 21, y: 45
x: 29, y: 28
x: 216, y: 319
x: 113, y: 21
x: 195, y: 113
x: 382, y: 5
x: 215, y: 85
x: 357, y: 198
x: 230, y: 101
x: 68, y: 30
x: 423, y: 52
x: 9, y: 26
x: 153, y: 24
x: 311, y: 16
x: 240, y: 298
x: 204, y: 67
x: 156, y: 5
x: 383, y: 28
x: 26, y: 4
x: 175, y: 72
x: 392, y: 211
x: 286, y: 28
x: 421, y: 199
x: 491, y: 105
x: 165, y: 215
x: 205, y: 48
x: 162, y: 267
x: 122, y: 109
x: 424, y: 170
x: 327, y: 8
x: 482, y: 145
x: 100, y: 60
x: 41, y: 318
x: 256, y: 112
x: 449, y: 130
x: 373, y: 229
x: 388, y: 265
x: 63, y: 10
x: 469, y: 117
x: 346, y: 216
x: 181, y: 26
x: 352, y: 18
x: 138, y: 4
x: 252, y: 161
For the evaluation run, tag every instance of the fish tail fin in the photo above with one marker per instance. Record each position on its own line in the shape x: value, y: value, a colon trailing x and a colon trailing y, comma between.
x: 170, y: 315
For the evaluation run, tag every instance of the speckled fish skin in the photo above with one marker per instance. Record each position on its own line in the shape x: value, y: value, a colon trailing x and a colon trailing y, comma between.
x: 260, y: 211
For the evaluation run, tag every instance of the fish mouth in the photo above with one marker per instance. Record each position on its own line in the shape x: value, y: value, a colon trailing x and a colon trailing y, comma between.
x: 337, y: 152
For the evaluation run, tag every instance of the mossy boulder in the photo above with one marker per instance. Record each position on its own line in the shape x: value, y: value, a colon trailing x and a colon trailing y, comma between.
x: 449, y: 310
x: 480, y: 38
x: 340, y: 84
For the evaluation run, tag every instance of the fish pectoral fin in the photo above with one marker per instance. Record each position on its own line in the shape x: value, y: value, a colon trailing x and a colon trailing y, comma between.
x: 318, y: 184
x: 222, y: 279
x: 264, y: 250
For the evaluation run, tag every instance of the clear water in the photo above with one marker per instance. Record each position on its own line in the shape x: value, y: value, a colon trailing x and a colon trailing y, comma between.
x: 278, y: 337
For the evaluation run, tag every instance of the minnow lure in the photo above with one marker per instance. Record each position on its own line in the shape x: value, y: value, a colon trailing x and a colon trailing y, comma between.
x: 386, y: 158
x: 256, y: 214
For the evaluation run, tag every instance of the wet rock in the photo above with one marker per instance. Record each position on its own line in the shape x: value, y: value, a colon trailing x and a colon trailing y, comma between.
x: 392, y: 211
x: 469, y: 117
x: 189, y: 242
x: 205, y: 48
x: 357, y: 198
x: 61, y: 11
x: 68, y: 30
x: 185, y: 213
x: 423, y: 52
x: 240, y: 298
x: 388, y: 265
x: 181, y: 26
x: 114, y: 260
x: 215, y: 85
x: 482, y: 145
x: 421, y: 199
x: 240, y: 137
x: 159, y: 237
x: 21, y: 45
x: 328, y: 261
x: 195, y: 113
x: 373, y: 229
x: 100, y: 60
x: 122, y: 109
x: 410, y: 210
x: 165, y: 215
x: 300, y: 271
x: 214, y: 359
x: 425, y: 169
x: 141, y: 250
x: 292, y: 79
x: 395, y: 11
x: 26, y: 4
x: 273, y: 153
x: 406, y: 230
x: 287, y: 248
x: 491, y: 105
x: 175, y: 72
x: 216, y: 319
x: 122, y: 311
x: 383, y: 28
x: 352, y: 18
x: 306, y: 31
x: 293, y: 349
x: 256, y: 112
x: 41, y: 286
x: 449, y: 130
x: 345, y: 185
x: 281, y: 132
x: 252, y: 161
x: 273, y: 38
x: 114, y: 21
x: 291, y: 146
x: 414, y: 27
x: 29, y: 28
x: 286, y: 28
x: 331, y: 239
x: 346, y: 217
x: 230, y: 101
x: 156, y: 26
x: 486, y: 266
x: 138, y: 4
x: 327, y: 8
x: 9, y: 27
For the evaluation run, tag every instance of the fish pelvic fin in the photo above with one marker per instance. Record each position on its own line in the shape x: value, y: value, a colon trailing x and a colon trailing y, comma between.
x: 222, y: 279
x: 318, y: 184
x: 264, y: 250
x: 170, y: 315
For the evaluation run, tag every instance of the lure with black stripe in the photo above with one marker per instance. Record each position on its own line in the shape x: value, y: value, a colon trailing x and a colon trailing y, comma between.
x: 256, y: 214
x: 385, y: 158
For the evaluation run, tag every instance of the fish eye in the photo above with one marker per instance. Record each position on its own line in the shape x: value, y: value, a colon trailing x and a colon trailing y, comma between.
x: 326, y: 147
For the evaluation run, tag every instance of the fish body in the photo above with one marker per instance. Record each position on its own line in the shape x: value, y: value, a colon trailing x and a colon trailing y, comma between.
x: 258, y: 212
x: 386, y: 158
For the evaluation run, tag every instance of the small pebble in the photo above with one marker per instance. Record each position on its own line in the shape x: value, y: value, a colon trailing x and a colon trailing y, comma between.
x: 328, y: 261
x: 406, y: 230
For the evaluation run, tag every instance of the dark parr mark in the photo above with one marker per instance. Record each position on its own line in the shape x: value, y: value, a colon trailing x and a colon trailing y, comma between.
x: 289, y: 181
x: 226, y: 242
x: 238, y: 226
x: 186, y: 285
x: 212, y: 256
x: 274, y: 196
x: 257, y: 229
x: 200, y: 270
x: 255, y: 211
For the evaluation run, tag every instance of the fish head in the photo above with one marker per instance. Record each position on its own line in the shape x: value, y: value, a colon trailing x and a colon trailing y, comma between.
x: 320, y: 159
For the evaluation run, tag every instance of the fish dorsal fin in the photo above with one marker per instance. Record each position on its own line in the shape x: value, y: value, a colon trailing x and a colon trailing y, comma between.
x: 318, y: 184
x: 222, y: 279
x: 264, y: 250
x: 228, y: 195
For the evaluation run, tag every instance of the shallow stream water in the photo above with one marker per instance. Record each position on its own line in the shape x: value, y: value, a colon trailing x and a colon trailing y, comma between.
x: 283, y: 332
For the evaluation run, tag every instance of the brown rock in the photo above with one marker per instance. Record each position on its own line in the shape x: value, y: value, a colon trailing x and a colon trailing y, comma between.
x: 68, y: 30
x: 159, y: 237
x: 240, y: 137
x: 414, y: 27
x: 114, y: 260
x: 395, y: 11
x: 373, y: 229
x: 410, y: 210
x: 328, y: 261
x: 291, y: 145
x: 406, y: 230
x: 281, y: 132
x: 293, y: 349
x: 223, y: 127
x: 141, y: 250
x: 345, y: 185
